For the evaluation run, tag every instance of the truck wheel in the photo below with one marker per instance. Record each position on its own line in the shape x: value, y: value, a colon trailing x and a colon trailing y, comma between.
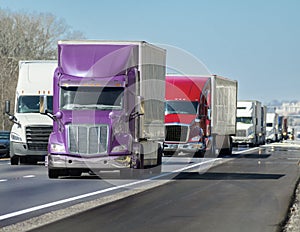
x: 157, y: 169
x: 228, y: 150
x: 199, y: 154
x: 15, y: 160
x: 53, y: 173
x: 168, y: 153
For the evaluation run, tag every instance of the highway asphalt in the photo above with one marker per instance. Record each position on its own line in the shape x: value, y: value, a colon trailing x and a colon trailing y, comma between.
x: 252, y: 192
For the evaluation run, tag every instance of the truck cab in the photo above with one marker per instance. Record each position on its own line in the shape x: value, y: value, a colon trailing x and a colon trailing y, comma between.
x: 30, y: 131
x: 108, y: 99
x: 186, y: 114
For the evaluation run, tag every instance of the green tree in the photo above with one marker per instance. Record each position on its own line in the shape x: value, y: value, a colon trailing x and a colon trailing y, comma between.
x: 27, y: 36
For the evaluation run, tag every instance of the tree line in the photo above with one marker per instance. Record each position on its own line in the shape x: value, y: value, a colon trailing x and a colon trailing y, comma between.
x: 26, y: 36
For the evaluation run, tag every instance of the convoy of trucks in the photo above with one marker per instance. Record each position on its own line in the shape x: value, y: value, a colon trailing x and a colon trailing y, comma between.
x: 30, y: 131
x: 108, y: 107
x: 251, y: 122
x: 200, y: 115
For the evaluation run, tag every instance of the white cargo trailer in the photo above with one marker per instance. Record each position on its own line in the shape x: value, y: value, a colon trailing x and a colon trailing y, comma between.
x: 222, y: 114
x: 272, y: 127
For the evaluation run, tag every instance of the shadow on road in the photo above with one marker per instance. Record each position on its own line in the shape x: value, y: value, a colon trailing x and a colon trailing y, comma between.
x: 254, y: 156
x: 226, y: 176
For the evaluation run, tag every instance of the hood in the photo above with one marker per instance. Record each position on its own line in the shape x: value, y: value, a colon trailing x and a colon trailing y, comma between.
x: 243, y: 126
x: 180, y: 118
x: 90, y: 116
x: 33, y: 119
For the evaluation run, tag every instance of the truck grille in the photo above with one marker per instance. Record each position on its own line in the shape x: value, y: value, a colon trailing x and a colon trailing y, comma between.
x: 37, y: 137
x: 241, y: 133
x: 87, y: 139
x: 176, y: 133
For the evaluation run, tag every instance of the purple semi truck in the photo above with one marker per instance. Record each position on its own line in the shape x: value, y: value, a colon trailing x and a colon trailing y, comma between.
x: 108, y: 107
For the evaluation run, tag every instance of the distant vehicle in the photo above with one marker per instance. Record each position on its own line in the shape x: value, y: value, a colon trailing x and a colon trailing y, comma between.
x: 30, y: 132
x: 272, y: 127
x: 200, y: 115
x: 4, y: 143
x: 282, y: 128
x: 291, y: 133
x: 297, y: 136
x: 250, y: 122
x: 264, y: 123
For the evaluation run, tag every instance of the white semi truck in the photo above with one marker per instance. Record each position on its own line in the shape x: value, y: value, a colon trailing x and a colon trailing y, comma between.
x: 249, y: 123
x: 272, y: 127
x: 30, y: 131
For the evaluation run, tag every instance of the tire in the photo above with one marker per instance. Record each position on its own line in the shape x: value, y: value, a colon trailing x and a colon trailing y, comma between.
x: 53, y: 173
x: 227, y: 151
x: 199, y: 154
x: 15, y: 160
x: 168, y: 153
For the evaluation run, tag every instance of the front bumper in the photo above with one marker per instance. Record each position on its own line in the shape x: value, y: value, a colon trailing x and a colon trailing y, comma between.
x: 21, y: 149
x: 242, y: 140
x: 186, y: 147
x: 105, y: 162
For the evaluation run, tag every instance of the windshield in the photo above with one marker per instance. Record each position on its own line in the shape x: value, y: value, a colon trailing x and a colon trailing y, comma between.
x: 31, y: 104
x: 247, y: 120
x: 79, y: 98
x: 4, y: 135
x: 181, y: 107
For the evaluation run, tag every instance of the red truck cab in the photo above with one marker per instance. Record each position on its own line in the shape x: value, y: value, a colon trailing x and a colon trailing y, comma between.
x: 187, y: 119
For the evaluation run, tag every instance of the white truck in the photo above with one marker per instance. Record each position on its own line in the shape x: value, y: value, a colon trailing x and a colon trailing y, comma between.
x: 264, y: 123
x: 249, y: 123
x: 272, y: 127
x: 30, y: 131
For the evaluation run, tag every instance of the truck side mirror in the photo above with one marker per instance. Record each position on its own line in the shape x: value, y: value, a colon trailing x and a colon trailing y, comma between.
x: 43, y: 104
x: 11, y: 117
x: 7, y: 107
x: 209, y: 114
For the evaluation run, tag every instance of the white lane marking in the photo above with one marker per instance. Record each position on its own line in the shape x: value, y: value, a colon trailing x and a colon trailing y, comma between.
x: 243, y: 151
x: 39, y: 207
x: 29, y: 176
x: 3, y: 180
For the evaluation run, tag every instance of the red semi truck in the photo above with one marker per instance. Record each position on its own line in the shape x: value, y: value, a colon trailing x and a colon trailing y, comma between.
x: 200, y: 115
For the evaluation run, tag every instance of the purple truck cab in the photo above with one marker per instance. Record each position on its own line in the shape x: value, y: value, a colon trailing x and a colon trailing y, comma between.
x: 108, y: 107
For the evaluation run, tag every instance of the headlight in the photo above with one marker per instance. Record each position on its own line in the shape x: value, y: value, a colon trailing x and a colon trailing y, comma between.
x: 15, y: 137
x: 196, y: 138
x: 119, y: 148
x: 251, y: 136
x: 54, y: 147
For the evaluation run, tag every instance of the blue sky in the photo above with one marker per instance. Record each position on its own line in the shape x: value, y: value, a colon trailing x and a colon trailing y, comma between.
x: 254, y: 42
